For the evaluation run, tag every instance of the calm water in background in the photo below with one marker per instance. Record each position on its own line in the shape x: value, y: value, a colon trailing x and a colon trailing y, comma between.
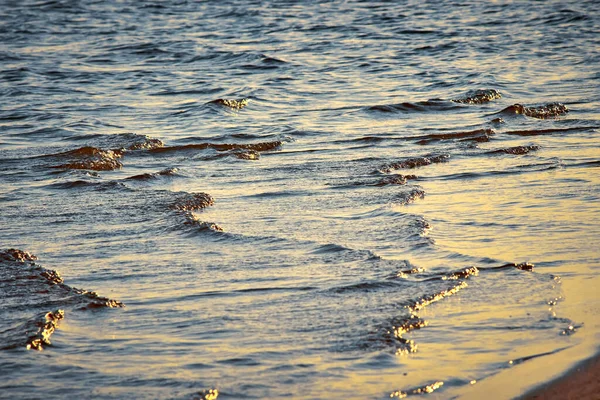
x: 352, y: 195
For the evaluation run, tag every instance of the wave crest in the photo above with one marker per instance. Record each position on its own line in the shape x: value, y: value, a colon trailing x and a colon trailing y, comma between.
x: 414, y: 162
x: 551, y: 110
x: 29, y: 287
x: 91, y: 158
x: 479, y: 96
x: 235, y: 104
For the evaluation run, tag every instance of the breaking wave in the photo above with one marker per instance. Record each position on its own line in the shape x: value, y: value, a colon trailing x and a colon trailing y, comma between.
x: 193, y: 202
x: 479, y: 96
x: 409, y: 196
x: 551, y: 110
x: 30, y: 289
x: 155, y: 175
x: 256, y: 147
x: 414, y: 162
x: 399, y: 394
x: 235, y: 104
x: 516, y: 150
x: 90, y: 158
x: 122, y: 141
x: 419, y: 106
x: 478, y: 135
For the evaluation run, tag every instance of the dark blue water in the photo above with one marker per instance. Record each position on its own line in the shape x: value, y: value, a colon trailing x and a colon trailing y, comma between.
x: 295, y: 199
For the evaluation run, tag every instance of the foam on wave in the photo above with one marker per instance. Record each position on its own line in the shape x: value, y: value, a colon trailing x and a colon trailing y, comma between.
x: 235, y: 104
x: 478, y: 135
x: 546, y: 111
x: 256, y: 147
x: 29, y: 288
x: 516, y: 150
x: 91, y: 158
x: 414, y: 162
x: 480, y: 96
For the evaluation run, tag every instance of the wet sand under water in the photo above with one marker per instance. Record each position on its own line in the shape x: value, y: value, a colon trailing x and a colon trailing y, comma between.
x: 583, y: 383
x: 568, y: 374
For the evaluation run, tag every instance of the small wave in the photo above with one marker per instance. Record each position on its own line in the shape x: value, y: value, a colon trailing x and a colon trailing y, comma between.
x: 463, y: 274
x: 368, y: 139
x: 404, y: 273
x: 395, y: 179
x: 411, y: 320
x: 193, y: 202
x: 410, y: 196
x: 562, y: 16
x: 445, y: 276
x: 408, y: 325
x: 414, y: 31
x: 34, y: 272
x: 26, y: 284
x: 524, y: 266
x: 235, y: 104
x: 420, y: 106
x: 34, y: 333
x: 414, y: 162
x: 537, y: 132
x: 429, y: 299
x: 190, y: 202
x: 46, y: 325
x: 91, y: 158
x: 551, y: 110
x: 516, y: 150
x: 279, y: 193
x: 147, y: 144
x: 585, y: 164
x: 272, y: 60
x: 16, y: 255
x: 479, y: 96
x: 262, y: 66
x: 100, y: 185
x: 257, y: 147
x: 192, y: 220
x: 239, y: 154
x: 399, y: 394
x: 122, y: 141
x: 516, y: 170
x: 155, y: 175
x: 478, y: 135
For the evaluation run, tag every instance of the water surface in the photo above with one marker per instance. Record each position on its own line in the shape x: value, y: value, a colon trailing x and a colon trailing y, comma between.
x: 295, y: 199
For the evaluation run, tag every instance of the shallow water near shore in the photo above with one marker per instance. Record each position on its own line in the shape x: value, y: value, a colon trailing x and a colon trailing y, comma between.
x: 296, y: 200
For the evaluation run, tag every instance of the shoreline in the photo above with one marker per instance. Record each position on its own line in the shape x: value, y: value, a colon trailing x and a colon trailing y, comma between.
x: 565, y: 374
x: 580, y: 378
x: 581, y: 382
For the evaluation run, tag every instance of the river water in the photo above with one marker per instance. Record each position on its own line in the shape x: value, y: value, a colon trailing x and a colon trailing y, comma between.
x: 291, y: 199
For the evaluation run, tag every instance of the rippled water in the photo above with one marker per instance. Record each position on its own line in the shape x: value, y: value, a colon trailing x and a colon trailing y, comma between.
x: 294, y: 199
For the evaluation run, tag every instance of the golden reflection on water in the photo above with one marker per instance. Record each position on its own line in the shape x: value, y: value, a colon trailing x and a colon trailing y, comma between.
x: 528, y: 217
x: 513, y: 218
x: 540, y: 217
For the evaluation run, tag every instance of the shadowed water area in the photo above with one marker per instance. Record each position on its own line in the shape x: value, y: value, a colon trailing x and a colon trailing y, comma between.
x: 307, y: 200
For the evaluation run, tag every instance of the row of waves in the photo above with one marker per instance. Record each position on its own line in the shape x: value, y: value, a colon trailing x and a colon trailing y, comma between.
x: 477, y: 97
x: 17, y: 265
